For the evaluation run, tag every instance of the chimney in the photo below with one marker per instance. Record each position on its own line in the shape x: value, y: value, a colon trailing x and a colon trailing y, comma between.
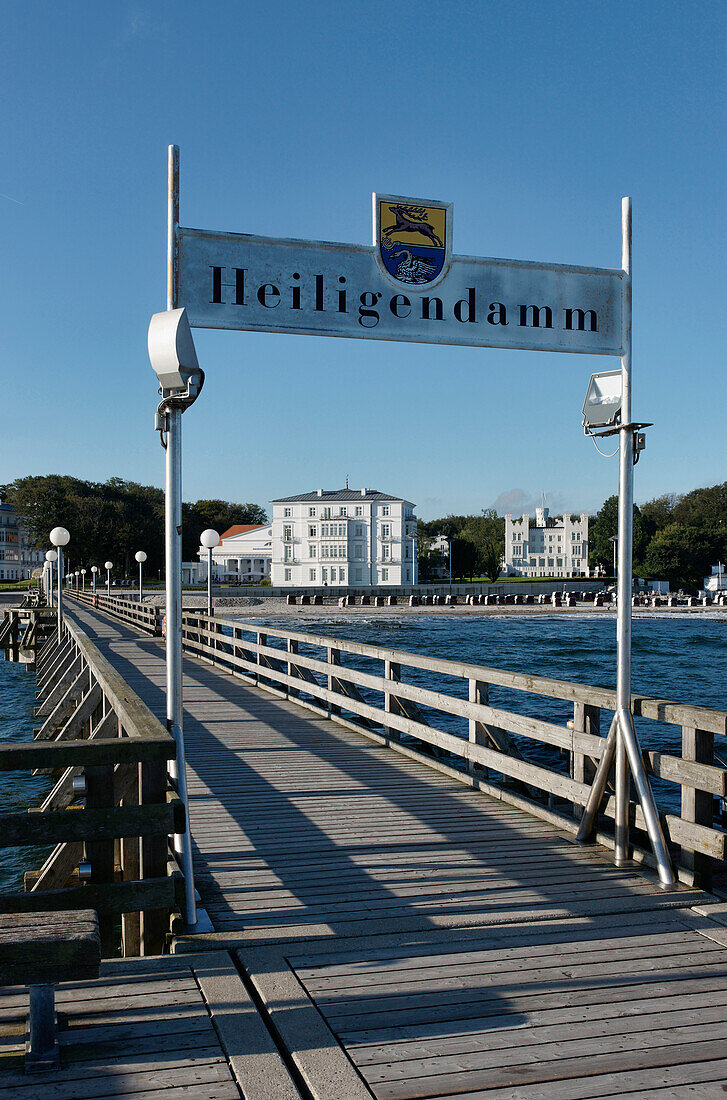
x: 363, y: 492
x: 320, y: 492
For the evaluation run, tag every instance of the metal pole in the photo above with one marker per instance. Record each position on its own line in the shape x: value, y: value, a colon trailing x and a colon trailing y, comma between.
x: 60, y: 593
x: 108, y: 583
x: 173, y: 560
x: 209, y: 581
x: 141, y: 566
x: 624, y: 548
x: 622, y: 741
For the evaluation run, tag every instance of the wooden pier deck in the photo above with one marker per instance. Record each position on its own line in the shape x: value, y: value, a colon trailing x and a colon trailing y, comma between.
x: 403, y: 935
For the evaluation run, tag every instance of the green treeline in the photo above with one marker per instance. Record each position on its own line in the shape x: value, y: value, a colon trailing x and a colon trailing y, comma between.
x: 477, y: 545
x: 111, y: 520
x: 676, y: 538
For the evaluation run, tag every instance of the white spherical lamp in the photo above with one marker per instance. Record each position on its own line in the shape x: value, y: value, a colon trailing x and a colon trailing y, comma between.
x: 209, y: 538
x: 59, y: 536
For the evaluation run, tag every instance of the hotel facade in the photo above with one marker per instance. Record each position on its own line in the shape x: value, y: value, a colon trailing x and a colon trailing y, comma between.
x: 343, y: 538
x: 555, y: 547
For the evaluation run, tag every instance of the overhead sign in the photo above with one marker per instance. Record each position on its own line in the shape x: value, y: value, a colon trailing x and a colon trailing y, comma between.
x: 407, y: 286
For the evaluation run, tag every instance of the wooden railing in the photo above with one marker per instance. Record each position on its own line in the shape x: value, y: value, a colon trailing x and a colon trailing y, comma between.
x: 143, y: 615
x: 23, y: 630
x: 111, y: 809
x: 372, y: 690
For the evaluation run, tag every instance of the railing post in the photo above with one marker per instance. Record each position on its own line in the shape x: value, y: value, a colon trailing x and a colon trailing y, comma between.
x: 262, y: 639
x: 100, y: 853
x: 334, y: 658
x: 153, y: 789
x: 586, y: 719
x: 292, y: 647
x: 479, y: 692
x: 697, y: 806
x: 392, y: 671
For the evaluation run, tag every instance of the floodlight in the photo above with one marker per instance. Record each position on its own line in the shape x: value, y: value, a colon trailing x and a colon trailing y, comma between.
x: 602, y: 407
x: 171, y: 349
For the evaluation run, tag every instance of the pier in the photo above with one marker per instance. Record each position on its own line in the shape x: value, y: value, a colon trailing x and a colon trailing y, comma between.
x: 396, y: 906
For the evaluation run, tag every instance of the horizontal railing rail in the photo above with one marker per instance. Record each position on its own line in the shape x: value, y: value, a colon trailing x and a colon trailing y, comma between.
x: 542, y: 764
x: 146, y: 616
x: 112, y: 807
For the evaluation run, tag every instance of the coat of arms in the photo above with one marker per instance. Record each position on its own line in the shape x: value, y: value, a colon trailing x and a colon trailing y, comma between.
x: 413, y: 239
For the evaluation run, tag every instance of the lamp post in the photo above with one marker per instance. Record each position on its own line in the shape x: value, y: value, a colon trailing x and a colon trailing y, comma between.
x: 50, y: 557
x: 108, y: 566
x: 94, y: 570
x: 607, y: 411
x: 209, y: 538
x: 614, y: 540
x: 60, y: 538
x: 174, y: 360
x: 141, y: 558
x: 76, y: 575
x: 414, y: 564
x: 83, y: 579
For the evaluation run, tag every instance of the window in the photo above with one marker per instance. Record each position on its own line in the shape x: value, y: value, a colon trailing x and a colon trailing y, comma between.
x: 287, y: 511
x: 359, y: 510
x: 311, y: 574
x: 311, y: 550
x: 385, y: 552
x: 342, y: 576
x: 288, y: 553
x: 357, y: 574
x: 358, y: 550
x: 385, y: 530
x: 385, y: 510
x: 288, y: 574
x: 311, y: 511
x: 359, y: 530
x: 550, y: 561
x: 342, y: 511
x: 542, y: 562
x: 406, y: 576
x: 408, y: 550
x: 326, y: 513
x: 384, y: 574
x: 287, y: 531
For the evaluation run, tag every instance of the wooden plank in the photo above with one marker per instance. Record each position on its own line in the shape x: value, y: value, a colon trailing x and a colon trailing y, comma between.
x: 25, y: 756
x: 91, y: 824
x: 111, y: 897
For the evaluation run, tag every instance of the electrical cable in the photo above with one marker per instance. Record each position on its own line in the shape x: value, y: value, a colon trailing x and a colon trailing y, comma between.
x: 613, y: 453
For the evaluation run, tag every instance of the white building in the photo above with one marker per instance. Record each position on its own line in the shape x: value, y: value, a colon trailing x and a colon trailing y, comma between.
x: 343, y: 537
x: 242, y: 556
x: 18, y: 557
x: 717, y: 582
x: 549, y: 547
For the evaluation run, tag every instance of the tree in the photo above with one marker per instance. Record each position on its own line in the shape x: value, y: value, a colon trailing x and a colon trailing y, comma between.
x: 604, y: 525
x: 218, y: 515
x: 114, y: 519
x: 681, y: 555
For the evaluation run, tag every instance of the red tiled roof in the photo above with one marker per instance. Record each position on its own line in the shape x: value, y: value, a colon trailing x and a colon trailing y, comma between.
x: 240, y: 529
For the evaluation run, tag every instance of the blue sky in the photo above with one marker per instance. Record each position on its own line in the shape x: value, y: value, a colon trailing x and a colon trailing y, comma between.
x: 532, y: 119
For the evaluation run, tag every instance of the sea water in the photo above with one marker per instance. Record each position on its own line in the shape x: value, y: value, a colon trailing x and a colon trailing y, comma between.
x: 18, y: 790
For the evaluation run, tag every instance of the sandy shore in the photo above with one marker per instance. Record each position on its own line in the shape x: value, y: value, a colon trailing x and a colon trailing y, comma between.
x: 276, y: 607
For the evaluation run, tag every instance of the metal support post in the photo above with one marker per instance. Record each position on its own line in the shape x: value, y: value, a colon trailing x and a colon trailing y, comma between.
x: 622, y: 742
x: 209, y: 581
